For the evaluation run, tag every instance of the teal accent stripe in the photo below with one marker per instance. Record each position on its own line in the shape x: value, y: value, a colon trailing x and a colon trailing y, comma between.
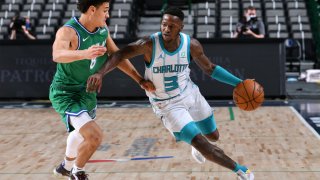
x: 187, y: 133
x: 178, y: 61
x: 164, y: 49
x: 222, y: 75
x: 231, y: 114
x: 148, y: 65
x: 240, y: 167
x: 207, y: 125
x: 164, y: 77
x: 188, y: 48
x: 156, y: 100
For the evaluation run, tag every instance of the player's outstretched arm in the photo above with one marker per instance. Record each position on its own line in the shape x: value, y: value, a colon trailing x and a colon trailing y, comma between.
x: 131, y: 50
x: 65, y: 45
x: 215, y: 71
x: 127, y: 67
x: 142, y: 46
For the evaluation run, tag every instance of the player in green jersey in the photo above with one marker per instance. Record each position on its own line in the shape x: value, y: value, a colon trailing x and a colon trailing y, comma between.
x: 81, y: 47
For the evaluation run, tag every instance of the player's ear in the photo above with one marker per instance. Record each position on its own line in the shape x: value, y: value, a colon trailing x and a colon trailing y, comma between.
x: 182, y: 26
x: 91, y: 9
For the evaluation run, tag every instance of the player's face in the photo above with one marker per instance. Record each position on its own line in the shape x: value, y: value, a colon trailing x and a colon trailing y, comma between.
x: 170, y: 27
x: 101, y: 14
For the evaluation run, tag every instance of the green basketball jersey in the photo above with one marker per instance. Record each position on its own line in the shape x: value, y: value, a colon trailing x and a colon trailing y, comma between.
x: 76, y: 73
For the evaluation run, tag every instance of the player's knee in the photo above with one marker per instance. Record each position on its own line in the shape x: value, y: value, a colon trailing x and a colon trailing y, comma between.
x: 96, y: 137
x: 92, y: 134
x: 201, y: 144
x: 214, y: 136
x: 94, y: 141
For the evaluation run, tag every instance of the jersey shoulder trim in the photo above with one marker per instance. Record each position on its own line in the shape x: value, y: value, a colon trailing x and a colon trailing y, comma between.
x: 148, y: 65
x: 78, y: 34
x: 165, y: 50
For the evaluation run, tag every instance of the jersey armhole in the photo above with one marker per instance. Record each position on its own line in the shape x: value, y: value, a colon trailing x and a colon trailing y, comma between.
x: 148, y: 65
x: 77, y: 35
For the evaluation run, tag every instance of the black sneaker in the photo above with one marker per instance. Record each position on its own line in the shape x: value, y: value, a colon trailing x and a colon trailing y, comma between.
x: 60, y: 171
x: 80, y: 175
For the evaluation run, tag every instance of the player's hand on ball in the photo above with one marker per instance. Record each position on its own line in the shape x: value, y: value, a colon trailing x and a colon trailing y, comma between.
x: 147, y: 85
x: 94, y: 83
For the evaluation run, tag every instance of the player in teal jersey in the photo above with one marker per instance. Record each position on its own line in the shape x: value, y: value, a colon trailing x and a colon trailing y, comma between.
x: 81, y: 47
x: 177, y: 100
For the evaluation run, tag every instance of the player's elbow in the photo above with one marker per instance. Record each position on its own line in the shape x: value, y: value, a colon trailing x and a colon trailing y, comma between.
x: 56, y: 57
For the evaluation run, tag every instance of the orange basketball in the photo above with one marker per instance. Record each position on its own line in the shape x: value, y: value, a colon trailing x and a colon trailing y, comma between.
x: 248, y: 95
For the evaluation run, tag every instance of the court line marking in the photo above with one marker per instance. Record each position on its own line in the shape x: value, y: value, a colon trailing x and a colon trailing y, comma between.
x: 144, y: 172
x: 231, y: 113
x: 129, y: 159
x: 305, y: 122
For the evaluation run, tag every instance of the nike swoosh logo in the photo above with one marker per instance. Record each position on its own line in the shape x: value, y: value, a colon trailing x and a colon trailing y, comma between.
x: 84, y: 39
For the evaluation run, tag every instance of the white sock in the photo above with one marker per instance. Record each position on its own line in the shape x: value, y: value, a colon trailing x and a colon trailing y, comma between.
x: 68, y: 164
x: 76, y: 169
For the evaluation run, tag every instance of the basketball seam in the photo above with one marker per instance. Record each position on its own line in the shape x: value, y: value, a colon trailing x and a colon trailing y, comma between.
x: 260, y: 93
x: 240, y: 96
x: 254, y: 99
x: 249, y: 101
x: 248, y: 95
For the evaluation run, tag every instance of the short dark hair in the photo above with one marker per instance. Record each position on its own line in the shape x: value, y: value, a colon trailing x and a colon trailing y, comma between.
x: 83, y: 5
x: 250, y: 8
x: 174, y: 12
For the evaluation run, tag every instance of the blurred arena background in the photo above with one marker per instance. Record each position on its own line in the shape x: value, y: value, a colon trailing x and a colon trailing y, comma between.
x: 286, y: 63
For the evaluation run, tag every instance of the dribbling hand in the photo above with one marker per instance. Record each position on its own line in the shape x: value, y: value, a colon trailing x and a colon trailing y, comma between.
x: 147, y: 85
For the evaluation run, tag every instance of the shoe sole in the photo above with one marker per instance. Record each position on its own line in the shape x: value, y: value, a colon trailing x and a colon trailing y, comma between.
x: 58, y: 175
x: 251, y: 176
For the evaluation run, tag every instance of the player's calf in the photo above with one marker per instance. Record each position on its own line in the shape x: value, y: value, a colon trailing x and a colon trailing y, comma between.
x: 212, y: 152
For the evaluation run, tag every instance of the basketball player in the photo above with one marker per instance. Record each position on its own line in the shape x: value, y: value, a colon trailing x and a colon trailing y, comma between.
x: 81, y: 47
x: 177, y: 100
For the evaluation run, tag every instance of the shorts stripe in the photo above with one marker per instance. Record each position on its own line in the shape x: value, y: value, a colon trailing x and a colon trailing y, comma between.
x: 207, y: 125
x: 187, y: 133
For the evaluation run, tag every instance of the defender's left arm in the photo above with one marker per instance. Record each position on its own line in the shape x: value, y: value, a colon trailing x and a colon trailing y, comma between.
x: 215, y: 71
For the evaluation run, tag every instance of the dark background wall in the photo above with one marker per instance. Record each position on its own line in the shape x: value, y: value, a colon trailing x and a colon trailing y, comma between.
x: 26, y: 69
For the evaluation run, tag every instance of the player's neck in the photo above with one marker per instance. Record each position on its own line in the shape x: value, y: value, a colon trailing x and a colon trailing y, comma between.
x: 173, y: 44
x: 85, y: 22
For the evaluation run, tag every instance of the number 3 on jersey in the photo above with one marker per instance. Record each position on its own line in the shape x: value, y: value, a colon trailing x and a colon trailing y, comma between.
x: 171, y: 83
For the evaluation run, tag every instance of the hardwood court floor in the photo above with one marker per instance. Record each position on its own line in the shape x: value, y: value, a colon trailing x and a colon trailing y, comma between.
x: 272, y: 141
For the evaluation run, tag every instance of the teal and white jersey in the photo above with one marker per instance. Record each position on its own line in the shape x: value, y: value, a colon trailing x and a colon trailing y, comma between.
x: 169, y: 71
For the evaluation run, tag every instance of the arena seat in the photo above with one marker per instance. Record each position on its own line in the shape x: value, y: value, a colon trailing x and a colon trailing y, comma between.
x: 129, y: 18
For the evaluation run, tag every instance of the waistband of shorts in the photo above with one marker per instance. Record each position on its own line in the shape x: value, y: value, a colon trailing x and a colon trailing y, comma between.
x: 184, y: 92
x: 62, y: 87
x: 158, y: 100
